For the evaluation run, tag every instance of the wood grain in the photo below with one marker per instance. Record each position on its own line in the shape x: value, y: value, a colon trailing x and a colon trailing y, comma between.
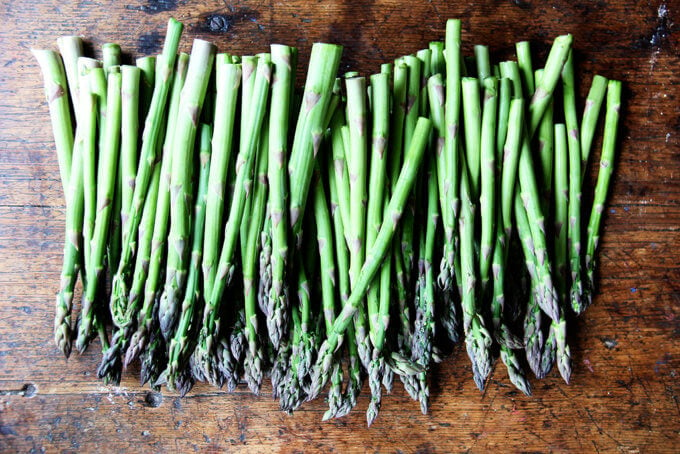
x: 625, y: 391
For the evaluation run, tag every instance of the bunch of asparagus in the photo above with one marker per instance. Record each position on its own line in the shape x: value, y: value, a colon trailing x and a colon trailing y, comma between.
x: 354, y: 230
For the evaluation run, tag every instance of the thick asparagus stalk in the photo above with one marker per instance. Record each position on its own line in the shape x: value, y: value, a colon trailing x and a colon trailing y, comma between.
x: 228, y: 82
x: 591, y: 113
x: 487, y: 198
x: 180, y: 345
x: 129, y: 137
x: 147, y: 66
x: 191, y: 102
x: 71, y: 49
x: 277, y: 309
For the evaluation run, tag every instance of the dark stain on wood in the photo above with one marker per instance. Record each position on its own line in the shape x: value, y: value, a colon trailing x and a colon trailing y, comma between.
x: 156, y: 6
x: 150, y: 43
x: 221, y: 23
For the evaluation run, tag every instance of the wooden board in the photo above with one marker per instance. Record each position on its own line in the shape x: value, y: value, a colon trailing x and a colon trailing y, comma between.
x: 625, y: 389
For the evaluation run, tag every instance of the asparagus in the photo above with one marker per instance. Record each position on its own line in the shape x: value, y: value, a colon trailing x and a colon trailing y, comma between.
x: 111, y: 56
x: 277, y: 309
x: 147, y: 160
x: 375, y: 255
x: 603, y: 181
x: 487, y: 198
x: 191, y: 101
x: 357, y: 166
x: 160, y: 224
x: 180, y: 345
x: 225, y: 269
x: 129, y: 136
x: 105, y: 188
x: 56, y: 86
x: 483, y: 63
x: 561, y: 203
x: 253, y: 363
x: 473, y: 126
x: 323, y: 66
x: 523, y: 49
x: 228, y: 81
x: 74, y: 222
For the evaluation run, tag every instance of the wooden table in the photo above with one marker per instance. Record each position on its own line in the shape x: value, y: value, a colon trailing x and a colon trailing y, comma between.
x: 625, y: 390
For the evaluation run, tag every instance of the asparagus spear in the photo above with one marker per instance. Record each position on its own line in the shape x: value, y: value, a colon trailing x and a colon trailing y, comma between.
x: 375, y: 255
x: 487, y: 198
x: 129, y: 137
x: 147, y: 67
x: 357, y: 166
x: 180, y: 345
x: 111, y: 56
x: 228, y: 82
x: 74, y: 221
x: 603, y: 181
x: 277, y: 309
x: 105, y: 188
x: 244, y: 163
x: 191, y: 101
x: 54, y: 79
x: 253, y: 363
x: 158, y: 239
x: 473, y: 126
x: 523, y: 49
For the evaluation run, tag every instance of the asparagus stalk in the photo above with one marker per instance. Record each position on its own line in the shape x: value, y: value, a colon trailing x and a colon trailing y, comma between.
x: 487, y: 198
x: 73, y: 243
x: 483, y: 63
x: 253, y: 363
x: 526, y: 68
x: 111, y: 56
x: 180, y: 345
x: 129, y: 136
x: 54, y: 79
x: 149, y: 310
x: 603, y: 180
x: 228, y: 82
x: 375, y: 255
x: 105, y: 189
x: 191, y: 101
x: 473, y: 127
x: 277, y: 309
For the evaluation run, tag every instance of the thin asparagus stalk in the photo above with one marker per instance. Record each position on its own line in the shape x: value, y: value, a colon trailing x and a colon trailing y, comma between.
x: 148, y: 157
x: 147, y: 66
x: 85, y: 65
x: 191, y: 101
x: 487, y: 198
x: 399, y: 89
x: 228, y: 82
x: 277, y: 309
x: 129, y: 137
x: 71, y: 49
x: 180, y: 345
x: 357, y: 166
x: 253, y: 362
x: 105, y: 188
x: 603, y: 181
x: 73, y: 243
x: 561, y: 203
x: 375, y: 255
x: 160, y: 225
x: 546, y: 140
x: 477, y: 338
x: 591, y: 113
x: 56, y: 87
x: 225, y: 269
x: 504, y: 98
x: 323, y: 67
